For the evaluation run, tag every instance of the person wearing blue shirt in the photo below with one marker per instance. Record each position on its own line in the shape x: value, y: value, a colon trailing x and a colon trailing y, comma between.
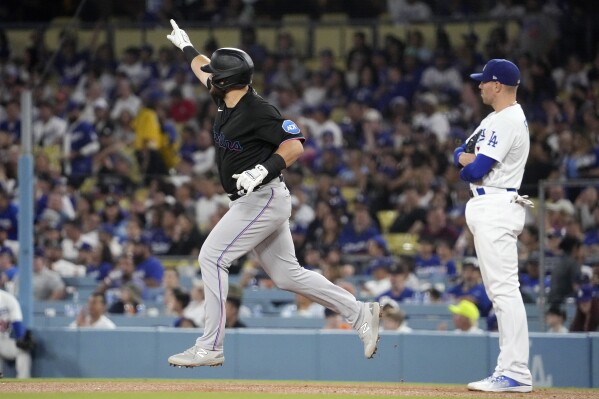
x: 81, y: 143
x: 399, y: 292
x: 8, y: 269
x: 12, y: 123
x: 147, y: 266
x: 8, y: 215
x: 471, y: 286
x: 355, y: 235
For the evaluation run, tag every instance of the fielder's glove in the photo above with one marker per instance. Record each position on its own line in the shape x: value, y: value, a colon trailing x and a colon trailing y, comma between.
x: 178, y: 36
x: 26, y: 343
x: 469, y: 149
x: 249, y: 179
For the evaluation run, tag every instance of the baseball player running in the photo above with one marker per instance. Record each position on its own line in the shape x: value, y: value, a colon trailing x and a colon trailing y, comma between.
x: 493, y: 162
x: 253, y: 145
x: 11, y: 347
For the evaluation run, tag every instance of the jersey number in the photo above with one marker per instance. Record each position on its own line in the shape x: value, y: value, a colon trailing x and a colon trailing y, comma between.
x: 493, y: 140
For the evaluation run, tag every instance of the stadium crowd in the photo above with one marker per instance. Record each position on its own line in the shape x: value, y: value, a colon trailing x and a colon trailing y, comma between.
x: 124, y: 166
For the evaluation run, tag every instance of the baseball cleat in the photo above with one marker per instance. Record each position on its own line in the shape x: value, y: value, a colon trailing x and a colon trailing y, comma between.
x: 369, y: 329
x: 196, y: 357
x: 500, y: 383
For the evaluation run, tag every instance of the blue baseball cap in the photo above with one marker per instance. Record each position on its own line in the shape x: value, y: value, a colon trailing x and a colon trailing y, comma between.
x: 499, y: 70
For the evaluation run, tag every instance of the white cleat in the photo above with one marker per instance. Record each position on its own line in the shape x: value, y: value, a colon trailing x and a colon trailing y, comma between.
x: 196, y: 357
x: 369, y: 329
x: 499, y: 384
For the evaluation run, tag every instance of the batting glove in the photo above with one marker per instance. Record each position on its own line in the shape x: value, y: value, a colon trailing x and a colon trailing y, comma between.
x: 178, y: 36
x: 524, y: 201
x: 249, y: 179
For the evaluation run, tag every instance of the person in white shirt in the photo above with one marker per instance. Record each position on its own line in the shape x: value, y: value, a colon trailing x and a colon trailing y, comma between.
x: 93, y: 316
x: 465, y: 317
x: 48, y: 129
x: 555, y: 317
x: 126, y: 101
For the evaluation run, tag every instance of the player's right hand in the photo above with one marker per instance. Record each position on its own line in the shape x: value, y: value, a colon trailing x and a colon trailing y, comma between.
x: 178, y: 36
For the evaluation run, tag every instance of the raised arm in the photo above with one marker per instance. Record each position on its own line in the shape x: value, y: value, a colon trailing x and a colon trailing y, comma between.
x: 180, y: 39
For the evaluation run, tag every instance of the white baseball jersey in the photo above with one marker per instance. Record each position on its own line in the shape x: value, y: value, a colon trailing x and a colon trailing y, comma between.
x: 10, y: 311
x: 504, y: 138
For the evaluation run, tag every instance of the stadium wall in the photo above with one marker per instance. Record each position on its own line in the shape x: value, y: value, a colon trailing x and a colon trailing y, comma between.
x: 568, y: 360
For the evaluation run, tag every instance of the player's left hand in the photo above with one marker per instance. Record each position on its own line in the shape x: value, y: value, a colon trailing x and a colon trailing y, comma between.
x: 178, y: 36
x: 249, y: 179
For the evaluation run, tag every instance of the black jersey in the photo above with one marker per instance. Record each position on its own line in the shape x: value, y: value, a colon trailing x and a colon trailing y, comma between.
x: 247, y: 135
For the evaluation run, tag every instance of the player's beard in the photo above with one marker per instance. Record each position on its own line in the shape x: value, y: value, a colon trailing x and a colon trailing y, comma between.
x: 217, y: 94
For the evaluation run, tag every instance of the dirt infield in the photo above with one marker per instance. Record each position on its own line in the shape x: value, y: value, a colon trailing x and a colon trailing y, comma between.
x: 382, y: 389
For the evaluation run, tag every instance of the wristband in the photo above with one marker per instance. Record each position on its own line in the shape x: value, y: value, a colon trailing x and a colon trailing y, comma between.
x: 190, y: 53
x: 274, y: 165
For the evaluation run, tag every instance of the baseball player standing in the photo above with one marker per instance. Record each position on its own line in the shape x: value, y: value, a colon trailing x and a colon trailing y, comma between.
x: 493, y: 161
x: 12, y: 335
x: 253, y: 145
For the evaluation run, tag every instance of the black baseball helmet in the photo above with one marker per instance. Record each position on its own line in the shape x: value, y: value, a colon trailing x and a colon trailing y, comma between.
x: 230, y: 68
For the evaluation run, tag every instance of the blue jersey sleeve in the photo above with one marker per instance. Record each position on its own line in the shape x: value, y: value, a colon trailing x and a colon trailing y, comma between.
x: 476, y: 170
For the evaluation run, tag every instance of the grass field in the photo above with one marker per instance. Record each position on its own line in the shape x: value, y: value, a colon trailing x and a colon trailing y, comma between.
x: 239, y: 389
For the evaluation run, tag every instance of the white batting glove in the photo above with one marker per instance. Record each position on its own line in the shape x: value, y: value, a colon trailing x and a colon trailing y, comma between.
x: 249, y: 179
x: 178, y: 36
x: 523, y: 200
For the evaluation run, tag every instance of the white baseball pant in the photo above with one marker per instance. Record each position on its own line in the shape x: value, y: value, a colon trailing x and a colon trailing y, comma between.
x: 496, y: 221
x: 10, y: 351
x: 260, y: 222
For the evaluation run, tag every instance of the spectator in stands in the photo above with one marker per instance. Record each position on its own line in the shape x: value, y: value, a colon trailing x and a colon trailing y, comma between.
x: 186, y: 239
x: 129, y: 300
x: 444, y: 251
x: 355, y: 235
x: 15, y: 340
x: 465, y: 317
x: 8, y: 269
x: 470, y: 286
x: 74, y: 239
x: 11, y: 125
x: 123, y: 273
x: 48, y: 129
x: 394, y: 319
x: 149, y: 140
x: 8, y: 214
x: 147, y: 266
x: 398, y: 292
x: 210, y: 199
x: 233, y: 307
x: 411, y: 216
x: 442, y: 78
x: 555, y: 317
x: 126, y: 100
x: 427, y: 264
x: 586, y: 318
x: 380, y: 281
x: 334, y: 321
x: 80, y: 145
x: 195, y: 308
x: 57, y: 262
x: 181, y: 301
x: 529, y: 277
x: 97, y: 260
x: 93, y: 315
x: 437, y: 227
x: 303, y: 307
x: 429, y: 119
x: 566, y: 272
x: 47, y: 284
